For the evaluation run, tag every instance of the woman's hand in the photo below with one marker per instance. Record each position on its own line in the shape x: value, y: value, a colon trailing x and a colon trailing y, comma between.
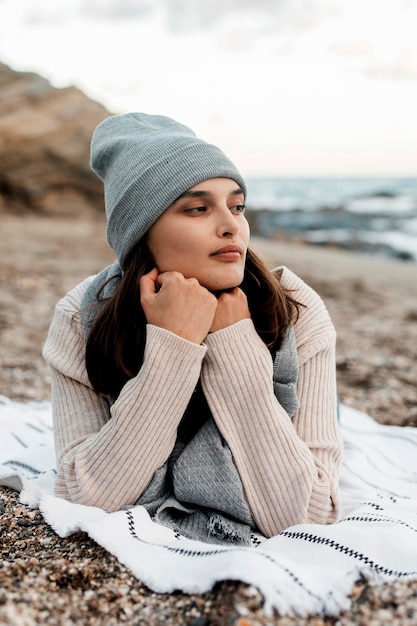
x: 178, y: 304
x: 232, y: 307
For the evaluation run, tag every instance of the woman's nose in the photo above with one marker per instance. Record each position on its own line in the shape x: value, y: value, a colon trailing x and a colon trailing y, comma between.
x: 227, y: 224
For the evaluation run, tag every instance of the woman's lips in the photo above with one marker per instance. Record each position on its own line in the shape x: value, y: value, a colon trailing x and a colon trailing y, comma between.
x: 228, y: 253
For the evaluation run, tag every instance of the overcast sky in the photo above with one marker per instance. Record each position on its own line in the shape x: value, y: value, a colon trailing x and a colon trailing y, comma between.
x: 284, y: 87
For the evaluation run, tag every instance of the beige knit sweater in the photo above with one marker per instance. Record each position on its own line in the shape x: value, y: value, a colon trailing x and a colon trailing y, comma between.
x: 288, y: 467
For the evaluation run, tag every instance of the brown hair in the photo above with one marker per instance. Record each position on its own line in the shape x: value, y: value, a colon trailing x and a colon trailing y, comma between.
x: 116, y: 343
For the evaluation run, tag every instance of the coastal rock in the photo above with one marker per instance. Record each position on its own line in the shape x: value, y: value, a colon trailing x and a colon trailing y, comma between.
x: 45, y: 136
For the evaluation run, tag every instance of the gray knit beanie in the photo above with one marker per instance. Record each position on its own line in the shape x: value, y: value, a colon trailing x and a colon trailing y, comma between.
x: 146, y: 162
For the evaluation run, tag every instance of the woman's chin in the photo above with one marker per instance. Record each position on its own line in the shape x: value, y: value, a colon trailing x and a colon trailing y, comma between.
x: 221, y: 287
x: 221, y: 282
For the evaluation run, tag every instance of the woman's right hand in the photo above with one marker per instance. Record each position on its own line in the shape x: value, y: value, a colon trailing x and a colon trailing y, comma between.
x: 178, y: 304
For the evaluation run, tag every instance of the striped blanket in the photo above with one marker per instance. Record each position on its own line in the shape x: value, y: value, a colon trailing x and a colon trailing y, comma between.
x: 306, y: 569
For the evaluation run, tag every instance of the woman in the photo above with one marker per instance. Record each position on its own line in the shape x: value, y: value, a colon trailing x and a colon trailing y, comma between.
x: 187, y: 377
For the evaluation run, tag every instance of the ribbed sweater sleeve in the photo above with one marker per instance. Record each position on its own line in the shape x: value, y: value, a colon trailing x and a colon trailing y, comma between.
x: 289, y: 468
x: 106, y: 457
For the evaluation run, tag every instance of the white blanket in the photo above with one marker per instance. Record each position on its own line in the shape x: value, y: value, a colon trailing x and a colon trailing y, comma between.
x: 306, y: 569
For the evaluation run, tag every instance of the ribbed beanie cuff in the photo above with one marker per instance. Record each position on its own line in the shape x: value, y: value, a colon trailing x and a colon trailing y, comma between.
x: 146, y: 162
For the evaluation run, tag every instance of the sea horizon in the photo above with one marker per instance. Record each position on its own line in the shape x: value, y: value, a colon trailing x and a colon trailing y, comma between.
x: 373, y: 214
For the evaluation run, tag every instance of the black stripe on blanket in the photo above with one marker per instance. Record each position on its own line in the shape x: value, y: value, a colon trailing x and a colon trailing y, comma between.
x: 24, y: 466
x: 391, y: 494
x: 20, y: 441
x: 373, y: 505
x: 376, y: 518
x: 331, y: 543
x: 412, y: 478
x: 211, y: 552
x: 36, y: 428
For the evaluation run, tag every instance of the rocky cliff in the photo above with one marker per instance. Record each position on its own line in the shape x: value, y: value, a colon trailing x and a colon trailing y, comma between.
x: 45, y: 136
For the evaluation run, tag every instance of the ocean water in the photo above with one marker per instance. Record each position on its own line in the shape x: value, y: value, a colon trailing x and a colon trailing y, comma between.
x: 373, y: 215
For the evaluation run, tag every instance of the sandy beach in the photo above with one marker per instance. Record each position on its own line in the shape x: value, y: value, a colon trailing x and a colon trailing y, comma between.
x: 48, y: 580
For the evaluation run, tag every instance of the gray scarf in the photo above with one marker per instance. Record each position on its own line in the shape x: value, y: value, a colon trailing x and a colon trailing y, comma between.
x: 198, y: 491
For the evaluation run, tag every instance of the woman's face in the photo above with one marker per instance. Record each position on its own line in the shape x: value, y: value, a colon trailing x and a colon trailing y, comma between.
x: 204, y: 235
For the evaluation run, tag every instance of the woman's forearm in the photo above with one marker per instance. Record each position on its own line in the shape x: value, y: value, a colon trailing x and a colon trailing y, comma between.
x: 288, y: 473
x: 107, y: 458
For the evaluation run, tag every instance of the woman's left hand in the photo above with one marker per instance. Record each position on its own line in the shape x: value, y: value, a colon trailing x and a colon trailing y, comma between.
x: 232, y: 307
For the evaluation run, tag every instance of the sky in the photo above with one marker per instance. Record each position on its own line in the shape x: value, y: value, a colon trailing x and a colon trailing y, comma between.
x: 284, y: 87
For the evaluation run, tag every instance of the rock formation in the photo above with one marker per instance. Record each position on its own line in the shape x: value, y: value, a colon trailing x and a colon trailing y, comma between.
x: 45, y: 136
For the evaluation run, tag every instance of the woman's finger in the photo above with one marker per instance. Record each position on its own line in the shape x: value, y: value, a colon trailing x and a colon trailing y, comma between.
x: 148, y: 282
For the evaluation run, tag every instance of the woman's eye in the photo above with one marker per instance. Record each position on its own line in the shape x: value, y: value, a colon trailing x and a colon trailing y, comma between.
x: 197, y: 209
x: 239, y: 208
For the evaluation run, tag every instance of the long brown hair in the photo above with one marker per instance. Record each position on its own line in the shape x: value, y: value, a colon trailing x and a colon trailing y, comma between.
x: 116, y: 343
